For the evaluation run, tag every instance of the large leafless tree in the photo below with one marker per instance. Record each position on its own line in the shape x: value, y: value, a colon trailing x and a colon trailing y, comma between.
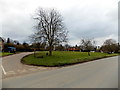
x: 50, y: 28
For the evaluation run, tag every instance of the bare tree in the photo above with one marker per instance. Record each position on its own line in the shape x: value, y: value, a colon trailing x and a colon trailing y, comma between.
x: 87, y: 45
x: 110, y: 46
x: 50, y: 28
x: 66, y: 46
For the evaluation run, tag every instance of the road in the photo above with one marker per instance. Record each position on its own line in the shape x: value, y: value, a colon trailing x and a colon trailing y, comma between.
x: 12, y: 66
x: 12, y: 62
x: 101, y: 73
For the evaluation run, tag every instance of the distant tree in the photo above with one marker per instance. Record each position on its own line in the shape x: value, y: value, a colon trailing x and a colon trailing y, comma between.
x: 20, y: 47
x: 60, y: 48
x: 38, y: 46
x: 6, y: 45
x: 119, y: 46
x: 50, y: 28
x: 66, y: 46
x: 8, y: 40
x: 110, y: 46
x: 76, y: 46
x: 87, y: 45
x: 26, y: 46
x: 16, y: 42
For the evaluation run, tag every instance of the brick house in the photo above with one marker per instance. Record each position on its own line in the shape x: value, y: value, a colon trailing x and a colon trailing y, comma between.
x: 73, y: 49
x: 1, y: 44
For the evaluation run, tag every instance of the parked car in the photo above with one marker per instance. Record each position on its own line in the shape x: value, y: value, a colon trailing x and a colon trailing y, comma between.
x: 10, y: 49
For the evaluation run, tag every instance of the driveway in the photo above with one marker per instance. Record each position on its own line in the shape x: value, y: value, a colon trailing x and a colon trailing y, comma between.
x: 101, y: 73
x: 12, y: 66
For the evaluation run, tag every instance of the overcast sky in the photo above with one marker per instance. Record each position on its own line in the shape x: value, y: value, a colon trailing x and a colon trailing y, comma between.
x: 96, y: 19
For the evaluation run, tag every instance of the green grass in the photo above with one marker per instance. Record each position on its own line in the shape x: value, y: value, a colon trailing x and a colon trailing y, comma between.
x: 5, y: 53
x: 61, y: 58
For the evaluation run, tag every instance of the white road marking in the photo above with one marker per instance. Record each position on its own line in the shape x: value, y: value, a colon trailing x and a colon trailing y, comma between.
x: 3, y: 70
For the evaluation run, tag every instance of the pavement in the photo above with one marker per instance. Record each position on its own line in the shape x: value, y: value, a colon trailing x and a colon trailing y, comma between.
x: 101, y: 73
x: 11, y: 66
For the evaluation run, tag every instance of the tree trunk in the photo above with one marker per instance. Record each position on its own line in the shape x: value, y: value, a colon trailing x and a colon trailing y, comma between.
x: 34, y: 52
x: 88, y: 53
x: 50, y: 51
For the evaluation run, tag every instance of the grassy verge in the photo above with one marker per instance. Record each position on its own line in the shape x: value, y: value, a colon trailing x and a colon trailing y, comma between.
x: 62, y: 58
x: 5, y: 53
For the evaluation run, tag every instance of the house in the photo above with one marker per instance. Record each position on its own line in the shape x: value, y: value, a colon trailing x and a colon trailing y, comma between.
x: 1, y: 44
x: 73, y: 49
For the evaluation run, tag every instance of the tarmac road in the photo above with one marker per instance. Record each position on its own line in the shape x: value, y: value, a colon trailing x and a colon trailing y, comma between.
x: 12, y: 66
x: 12, y: 62
x: 101, y: 73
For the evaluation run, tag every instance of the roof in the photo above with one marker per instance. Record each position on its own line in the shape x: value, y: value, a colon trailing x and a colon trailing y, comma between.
x: 73, y: 48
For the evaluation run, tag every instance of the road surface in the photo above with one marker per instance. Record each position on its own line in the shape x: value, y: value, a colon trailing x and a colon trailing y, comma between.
x: 12, y: 66
x: 101, y: 73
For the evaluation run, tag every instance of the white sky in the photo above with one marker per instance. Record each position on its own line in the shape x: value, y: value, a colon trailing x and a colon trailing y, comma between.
x: 83, y: 18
